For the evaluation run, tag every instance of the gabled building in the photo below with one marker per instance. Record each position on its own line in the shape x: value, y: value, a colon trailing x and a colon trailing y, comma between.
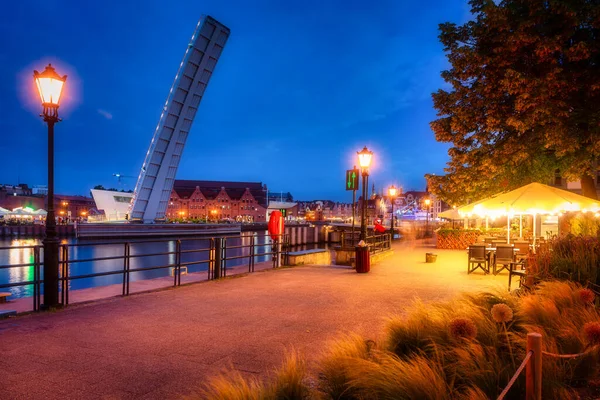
x: 217, y: 200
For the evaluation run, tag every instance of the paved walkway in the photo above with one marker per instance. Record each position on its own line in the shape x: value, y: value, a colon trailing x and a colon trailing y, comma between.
x: 165, y: 344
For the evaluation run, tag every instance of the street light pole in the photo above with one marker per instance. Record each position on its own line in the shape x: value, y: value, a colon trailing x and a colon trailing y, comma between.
x: 50, y: 86
x: 363, y: 218
x: 392, y: 192
x: 427, y: 203
x: 364, y: 160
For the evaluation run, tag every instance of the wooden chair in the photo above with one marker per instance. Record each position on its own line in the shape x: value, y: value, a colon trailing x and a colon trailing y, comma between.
x: 496, y: 242
x: 523, y: 250
x: 477, y: 259
x: 519, y: 269
x: 489, y: 240
x: 505, y: 256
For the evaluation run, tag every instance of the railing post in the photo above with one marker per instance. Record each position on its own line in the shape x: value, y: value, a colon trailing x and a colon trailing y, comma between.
x: 124, y: 268
x: 253, y: 252
x: 249, y: 256
x: 177, y: 271
x: 65, y: 276
x: 224, y: 260
x: 218, y: 258
x: 128, y: 259
x: 533, y: 373
x: 36, y: 278
x: 211, y: 258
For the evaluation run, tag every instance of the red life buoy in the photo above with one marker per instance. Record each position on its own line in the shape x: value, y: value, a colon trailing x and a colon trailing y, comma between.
x: 276, y: 225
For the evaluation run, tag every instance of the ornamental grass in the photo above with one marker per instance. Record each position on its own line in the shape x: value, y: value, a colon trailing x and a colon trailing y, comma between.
x: 465, y: 348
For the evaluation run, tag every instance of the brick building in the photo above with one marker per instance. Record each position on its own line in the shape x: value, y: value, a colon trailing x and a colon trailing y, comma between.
x: 72, y: 207
x: 14, y: 196
x: 216, y: 200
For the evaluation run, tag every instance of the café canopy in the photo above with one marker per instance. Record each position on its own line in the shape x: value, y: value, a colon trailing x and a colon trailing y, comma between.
x: 532, y: 199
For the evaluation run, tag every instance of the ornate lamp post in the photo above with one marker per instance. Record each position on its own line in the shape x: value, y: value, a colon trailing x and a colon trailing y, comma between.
x: 50, y: 86
x: 364, y: 160
x: 427, y: 203
x: 392, y: 191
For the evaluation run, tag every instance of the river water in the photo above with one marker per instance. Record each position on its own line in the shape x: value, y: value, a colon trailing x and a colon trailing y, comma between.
x: 87, y: 249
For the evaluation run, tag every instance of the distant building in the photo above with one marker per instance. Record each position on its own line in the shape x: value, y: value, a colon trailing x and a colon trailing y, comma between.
x: 281, y: 196
x: 559, y: 182
x: 15, y: 196
x: 114, y: 204
x: 72, y: 207
x: 321, y: 210
x: 288, y: 209
x: 40, y: 190
x: 216, y: 200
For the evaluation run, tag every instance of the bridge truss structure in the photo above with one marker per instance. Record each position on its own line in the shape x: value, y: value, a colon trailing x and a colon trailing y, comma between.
x: 155, y: 181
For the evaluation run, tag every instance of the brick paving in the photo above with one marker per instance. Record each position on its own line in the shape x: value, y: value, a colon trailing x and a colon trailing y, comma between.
x: 165, y: 344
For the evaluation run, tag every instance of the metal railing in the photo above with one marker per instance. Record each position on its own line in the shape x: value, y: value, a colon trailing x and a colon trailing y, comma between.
x: 376, y: 242
x: 35, y: 263
x: 215, y: 257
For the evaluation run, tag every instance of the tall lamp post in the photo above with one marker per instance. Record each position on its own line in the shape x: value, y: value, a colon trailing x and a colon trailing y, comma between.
x: 364, y: 160
x: 392, y: 191
x: 50, y: 86
x: 427, y: 203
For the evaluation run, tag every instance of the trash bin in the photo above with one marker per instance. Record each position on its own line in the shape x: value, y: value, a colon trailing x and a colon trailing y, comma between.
x: 363, y: 259
x: 430, y: 257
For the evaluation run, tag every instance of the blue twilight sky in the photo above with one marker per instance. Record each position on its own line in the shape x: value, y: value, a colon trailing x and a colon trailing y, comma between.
x: 300, y: 87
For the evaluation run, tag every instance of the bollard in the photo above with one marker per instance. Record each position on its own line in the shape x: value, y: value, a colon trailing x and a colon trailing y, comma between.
x: 533, y: 373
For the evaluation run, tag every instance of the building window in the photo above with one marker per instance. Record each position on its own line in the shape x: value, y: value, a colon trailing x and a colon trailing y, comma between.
x: 557, y: 178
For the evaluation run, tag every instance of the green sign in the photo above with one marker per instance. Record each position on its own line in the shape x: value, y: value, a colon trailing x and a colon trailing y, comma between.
x: 352, y: 179
x: 283, y: 212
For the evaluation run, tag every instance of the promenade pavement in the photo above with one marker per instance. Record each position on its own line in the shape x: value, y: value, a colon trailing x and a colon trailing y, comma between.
x: 165, y: 344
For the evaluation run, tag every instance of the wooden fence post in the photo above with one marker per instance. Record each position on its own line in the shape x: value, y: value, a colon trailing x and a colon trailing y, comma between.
x: 533, y: 373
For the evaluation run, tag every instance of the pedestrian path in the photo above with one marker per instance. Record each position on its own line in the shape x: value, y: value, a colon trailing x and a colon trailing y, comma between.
x: 165, y: 344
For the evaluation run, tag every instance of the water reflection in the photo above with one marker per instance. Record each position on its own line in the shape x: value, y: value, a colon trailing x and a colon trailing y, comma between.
x: 14, y: 256
x: 195, y: 253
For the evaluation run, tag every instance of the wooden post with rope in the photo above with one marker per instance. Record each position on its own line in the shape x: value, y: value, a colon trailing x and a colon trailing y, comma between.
x: 533, y: 373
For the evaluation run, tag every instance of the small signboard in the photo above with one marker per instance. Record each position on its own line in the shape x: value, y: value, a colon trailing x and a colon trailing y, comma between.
x: 352, y: 179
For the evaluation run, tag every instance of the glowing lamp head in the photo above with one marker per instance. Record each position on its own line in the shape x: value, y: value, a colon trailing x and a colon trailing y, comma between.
x: 50, y: 86
x: 427, y: 202
x: 364, y: 158
x: 392, y: 191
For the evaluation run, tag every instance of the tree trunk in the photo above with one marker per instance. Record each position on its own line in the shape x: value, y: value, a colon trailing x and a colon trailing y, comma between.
x: 588, y: 187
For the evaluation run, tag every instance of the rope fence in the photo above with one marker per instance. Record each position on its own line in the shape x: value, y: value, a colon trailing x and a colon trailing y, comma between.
x: 533, y: 365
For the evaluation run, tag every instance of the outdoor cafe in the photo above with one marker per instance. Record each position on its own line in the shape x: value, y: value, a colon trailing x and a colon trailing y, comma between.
x: 537, y: 208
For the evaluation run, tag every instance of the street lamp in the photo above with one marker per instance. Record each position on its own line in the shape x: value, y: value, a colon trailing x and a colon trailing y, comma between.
x: 392, y: 193
x: 364, y: 160
x: 50, y: 86
x: 427, y: 203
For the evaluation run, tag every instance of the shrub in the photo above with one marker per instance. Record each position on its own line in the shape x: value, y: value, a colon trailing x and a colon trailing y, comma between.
x: 466, y: 348
x: 288, y: 383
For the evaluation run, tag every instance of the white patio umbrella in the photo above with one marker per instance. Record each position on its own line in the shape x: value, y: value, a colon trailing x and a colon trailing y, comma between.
x: 532, y: 199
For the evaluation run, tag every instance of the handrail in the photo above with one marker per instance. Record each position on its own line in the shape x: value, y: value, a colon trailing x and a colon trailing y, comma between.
x: 257, y: 247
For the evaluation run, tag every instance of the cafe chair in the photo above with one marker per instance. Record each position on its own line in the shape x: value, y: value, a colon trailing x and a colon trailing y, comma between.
x: 523, y: 250
x: 477, y: 259
x: 505, y: 256
x: 517, y: 268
